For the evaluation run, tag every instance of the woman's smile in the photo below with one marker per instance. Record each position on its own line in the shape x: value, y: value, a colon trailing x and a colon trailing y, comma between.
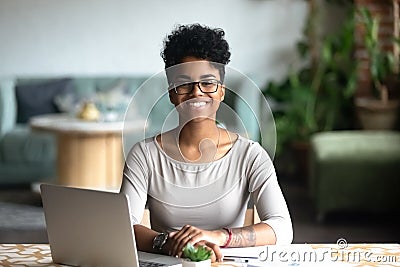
x: 198, y: 104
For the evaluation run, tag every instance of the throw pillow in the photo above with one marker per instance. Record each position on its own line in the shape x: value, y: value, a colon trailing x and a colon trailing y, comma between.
x: 36, y: 99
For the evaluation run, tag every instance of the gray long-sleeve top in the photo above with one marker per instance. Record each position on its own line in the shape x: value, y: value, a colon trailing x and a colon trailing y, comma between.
x: 206, y: 195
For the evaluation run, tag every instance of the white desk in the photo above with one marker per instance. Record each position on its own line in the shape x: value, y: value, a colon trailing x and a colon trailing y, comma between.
x: 89, y: 154
x: 388, y: 255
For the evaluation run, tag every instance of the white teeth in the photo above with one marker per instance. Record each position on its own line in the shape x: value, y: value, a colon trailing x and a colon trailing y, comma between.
x: 197, y: 104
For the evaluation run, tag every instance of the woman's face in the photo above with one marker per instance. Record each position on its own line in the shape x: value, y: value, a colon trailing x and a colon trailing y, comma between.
x: 199, y: 88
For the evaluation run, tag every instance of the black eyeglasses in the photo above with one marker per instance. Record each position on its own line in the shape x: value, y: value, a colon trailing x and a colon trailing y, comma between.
x: 205, y: 86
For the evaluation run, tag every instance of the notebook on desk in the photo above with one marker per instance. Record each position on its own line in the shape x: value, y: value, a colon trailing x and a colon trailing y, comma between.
x: 93, y: 228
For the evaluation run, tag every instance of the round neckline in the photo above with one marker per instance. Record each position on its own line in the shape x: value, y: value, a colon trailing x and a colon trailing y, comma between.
x: 227, y: 155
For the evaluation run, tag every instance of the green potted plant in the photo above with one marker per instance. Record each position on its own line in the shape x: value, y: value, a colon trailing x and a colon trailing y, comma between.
x: 377, y: 111
x: 198, y: 256
x: 318, y: 97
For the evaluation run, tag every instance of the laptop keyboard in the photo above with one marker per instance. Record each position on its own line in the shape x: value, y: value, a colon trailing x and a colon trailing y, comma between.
x: 150, y: 264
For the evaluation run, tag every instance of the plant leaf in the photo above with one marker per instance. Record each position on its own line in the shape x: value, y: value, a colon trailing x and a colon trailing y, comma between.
x: 200, y: 253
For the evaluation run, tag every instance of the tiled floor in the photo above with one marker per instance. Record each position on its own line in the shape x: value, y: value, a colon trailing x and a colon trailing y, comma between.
x: 22, y: 220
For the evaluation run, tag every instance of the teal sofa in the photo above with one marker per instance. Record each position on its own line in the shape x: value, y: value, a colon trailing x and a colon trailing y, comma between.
x: 27, y: 156
x: 355, y: 171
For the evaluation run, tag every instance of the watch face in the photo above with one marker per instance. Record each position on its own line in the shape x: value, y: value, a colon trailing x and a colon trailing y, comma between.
x: 160, y: 240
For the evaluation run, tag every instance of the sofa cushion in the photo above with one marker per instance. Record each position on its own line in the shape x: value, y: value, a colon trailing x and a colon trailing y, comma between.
x: 38, y: 98
x: 357, y: 146
x: 20, y: 145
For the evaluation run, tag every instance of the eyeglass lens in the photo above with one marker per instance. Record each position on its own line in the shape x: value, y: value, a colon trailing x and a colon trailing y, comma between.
x: 209, y: 86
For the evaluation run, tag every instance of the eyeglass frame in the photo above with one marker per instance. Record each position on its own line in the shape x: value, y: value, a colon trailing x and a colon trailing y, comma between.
x: 175, y: 86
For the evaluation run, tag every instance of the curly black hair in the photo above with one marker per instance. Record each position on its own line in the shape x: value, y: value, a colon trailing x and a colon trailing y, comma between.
x: 197, y: 41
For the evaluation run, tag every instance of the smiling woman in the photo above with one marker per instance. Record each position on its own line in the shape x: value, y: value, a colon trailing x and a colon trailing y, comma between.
x: 197, y: 178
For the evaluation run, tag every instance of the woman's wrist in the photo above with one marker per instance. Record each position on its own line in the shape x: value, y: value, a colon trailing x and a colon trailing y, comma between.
x: 229, y: 238
x: 222, y: 237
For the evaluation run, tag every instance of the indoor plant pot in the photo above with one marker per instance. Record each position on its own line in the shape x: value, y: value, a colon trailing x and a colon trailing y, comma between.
x: 374, y: 114
x: 198, y: 256
x: 379, y: 111
x: 189, y: 263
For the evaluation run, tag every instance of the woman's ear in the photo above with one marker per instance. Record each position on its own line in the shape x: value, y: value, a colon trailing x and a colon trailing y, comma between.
x: 222, y: 92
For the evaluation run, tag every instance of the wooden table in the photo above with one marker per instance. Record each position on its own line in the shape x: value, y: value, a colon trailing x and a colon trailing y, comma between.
x: 379, y: 254
x: 89, y: 154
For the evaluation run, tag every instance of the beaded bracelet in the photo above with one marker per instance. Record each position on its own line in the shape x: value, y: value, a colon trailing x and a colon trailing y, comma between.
x: 228, y: 241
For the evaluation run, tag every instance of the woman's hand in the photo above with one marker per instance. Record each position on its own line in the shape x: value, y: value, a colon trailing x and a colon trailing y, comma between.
x: 194, y: 235
x: 216, y: 255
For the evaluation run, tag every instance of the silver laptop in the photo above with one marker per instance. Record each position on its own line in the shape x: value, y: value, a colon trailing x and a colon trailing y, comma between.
x: 93, y: 228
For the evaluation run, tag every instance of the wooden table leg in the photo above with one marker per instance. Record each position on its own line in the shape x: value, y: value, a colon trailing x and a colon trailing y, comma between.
x: 90, y: 161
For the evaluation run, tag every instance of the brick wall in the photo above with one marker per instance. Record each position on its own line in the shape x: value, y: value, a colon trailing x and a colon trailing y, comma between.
x: 384, y: 9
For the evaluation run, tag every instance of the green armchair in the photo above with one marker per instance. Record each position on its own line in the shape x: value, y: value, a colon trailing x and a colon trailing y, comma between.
x: 355, y: 171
